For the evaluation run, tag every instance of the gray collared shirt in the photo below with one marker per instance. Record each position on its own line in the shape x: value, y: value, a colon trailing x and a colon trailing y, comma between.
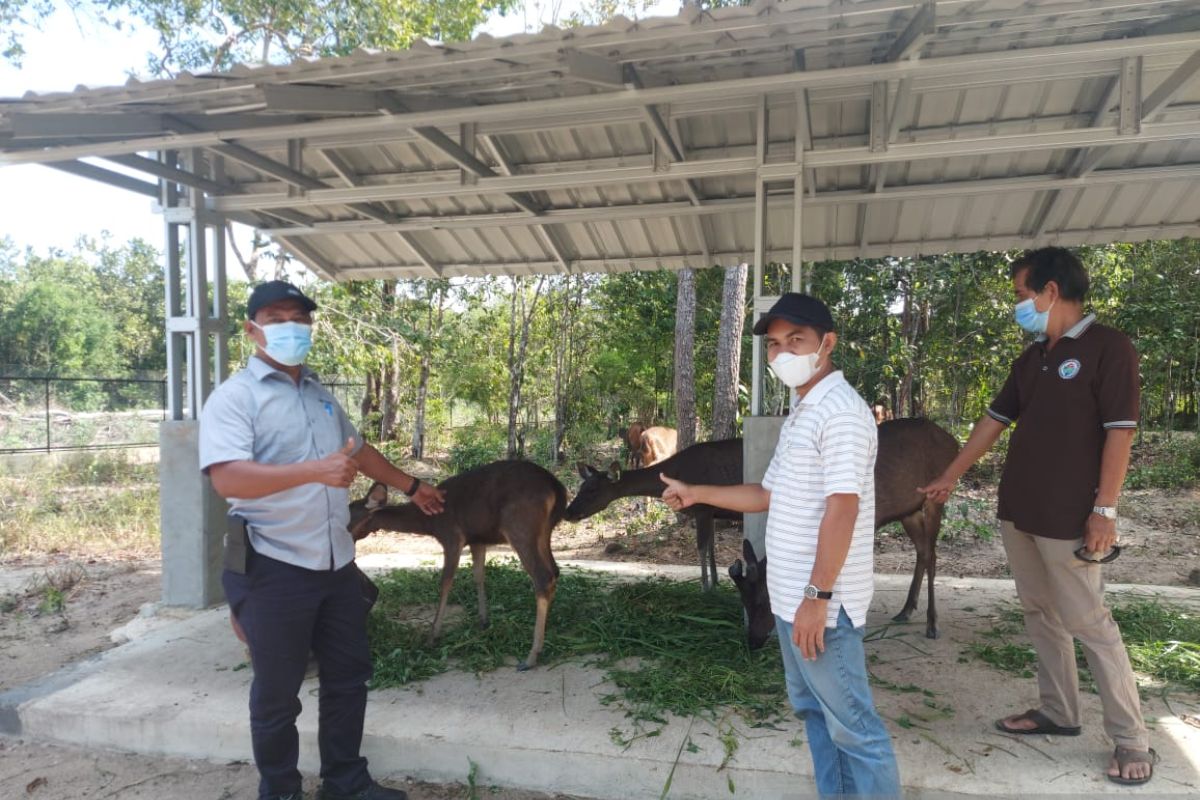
x: 260, y: 414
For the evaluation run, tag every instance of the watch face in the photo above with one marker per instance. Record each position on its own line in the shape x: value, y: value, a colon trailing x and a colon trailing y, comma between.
x: 810, y: 592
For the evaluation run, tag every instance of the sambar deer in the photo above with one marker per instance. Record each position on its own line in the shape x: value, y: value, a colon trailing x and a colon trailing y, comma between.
x: 707, y: 462
x: 912, y: 452
x: 513, y: 502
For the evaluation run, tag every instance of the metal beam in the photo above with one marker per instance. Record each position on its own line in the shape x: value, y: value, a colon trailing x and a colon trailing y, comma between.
x: 1126, y: 89
x: 76, y: 125
x: 341, y: 166
x: 711, y: 168
x: 1170, y: 86
x: 117, y: 179
x: 468, y: 161
x: 161, y: 170
x: 635, y: 211
x: 593, y: 69
x: 919, y: 30
x: 1129, y: 115
x: 320, y: 99
x: 548, y: 238
x: 1037, y: 62
x: 836, y: 252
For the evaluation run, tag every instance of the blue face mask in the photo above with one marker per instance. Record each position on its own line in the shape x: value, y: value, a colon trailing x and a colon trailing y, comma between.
x: 1029, y: 318
x: 287, y: 342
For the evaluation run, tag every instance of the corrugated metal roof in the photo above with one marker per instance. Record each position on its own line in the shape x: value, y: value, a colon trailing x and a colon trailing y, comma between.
x: 922, y: 128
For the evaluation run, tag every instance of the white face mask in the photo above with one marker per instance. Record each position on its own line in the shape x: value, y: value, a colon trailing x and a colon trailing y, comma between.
x: 796, y: 370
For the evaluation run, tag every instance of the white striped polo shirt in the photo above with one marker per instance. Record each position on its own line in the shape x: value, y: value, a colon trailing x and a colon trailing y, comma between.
x: 827, y: 446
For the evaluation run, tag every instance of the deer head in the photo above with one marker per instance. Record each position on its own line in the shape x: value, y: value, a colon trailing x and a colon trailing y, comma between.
x: 362, y: 511
x: 595, y: 493
x: 749, y: 575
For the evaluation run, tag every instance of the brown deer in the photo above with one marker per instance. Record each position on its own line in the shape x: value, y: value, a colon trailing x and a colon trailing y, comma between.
x: 912, y: 452
x: 513, y: 502
x: 707, y: 462
x: 658, y: 443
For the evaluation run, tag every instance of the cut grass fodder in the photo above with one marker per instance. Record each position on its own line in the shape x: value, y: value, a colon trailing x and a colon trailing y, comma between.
x: 1163, y: 642
x: 666, y: 647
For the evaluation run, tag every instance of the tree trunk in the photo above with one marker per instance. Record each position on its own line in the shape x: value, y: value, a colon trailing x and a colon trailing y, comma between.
x: 433, y: 324
x: 520, y: 318
x: 564, y: 363
x: 729, y: 353
x: 685, y: 344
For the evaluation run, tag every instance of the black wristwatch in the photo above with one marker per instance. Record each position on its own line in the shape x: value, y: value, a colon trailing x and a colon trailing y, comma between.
x: 416, y: 484
x: 813, y: 593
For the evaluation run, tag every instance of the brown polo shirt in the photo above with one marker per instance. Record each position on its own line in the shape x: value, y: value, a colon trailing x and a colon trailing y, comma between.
x: 1065, y: 399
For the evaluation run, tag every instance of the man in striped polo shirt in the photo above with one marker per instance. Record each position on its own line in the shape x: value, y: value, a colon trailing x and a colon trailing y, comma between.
x: 820, y: 492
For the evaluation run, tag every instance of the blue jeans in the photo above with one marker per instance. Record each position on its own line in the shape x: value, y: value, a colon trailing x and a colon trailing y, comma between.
x: 851, y: 750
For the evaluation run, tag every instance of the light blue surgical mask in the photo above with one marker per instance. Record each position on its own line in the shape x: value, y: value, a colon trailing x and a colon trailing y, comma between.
x: 287, y: 342
x: 1029, y: 318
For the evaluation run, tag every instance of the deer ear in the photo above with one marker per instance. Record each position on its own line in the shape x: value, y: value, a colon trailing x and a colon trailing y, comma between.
x: 748, y: 552
x: 585, y: 470
x: 377, y: 497
x: 614, y: 470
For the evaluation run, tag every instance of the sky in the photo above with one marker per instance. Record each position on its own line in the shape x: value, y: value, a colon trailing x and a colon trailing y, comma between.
x: 46, y: 209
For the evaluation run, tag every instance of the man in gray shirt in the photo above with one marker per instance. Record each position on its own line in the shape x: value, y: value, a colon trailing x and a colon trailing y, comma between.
x: 279, y: 447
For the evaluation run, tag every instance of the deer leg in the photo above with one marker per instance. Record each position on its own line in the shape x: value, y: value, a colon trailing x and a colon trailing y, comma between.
x: 452, y: 553
x: 933, y: 524
x: 704, y: 546
x: 916, y: 532
x: 478, y: 560
x: 539, y: 563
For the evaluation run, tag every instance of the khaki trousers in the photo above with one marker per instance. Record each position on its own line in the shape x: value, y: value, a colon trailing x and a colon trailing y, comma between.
x: 1063, y: 599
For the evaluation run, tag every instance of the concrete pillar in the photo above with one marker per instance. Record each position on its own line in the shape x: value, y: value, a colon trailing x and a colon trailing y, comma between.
x: 192, y: 514
x: 193, y: 520
x: 759, y: 436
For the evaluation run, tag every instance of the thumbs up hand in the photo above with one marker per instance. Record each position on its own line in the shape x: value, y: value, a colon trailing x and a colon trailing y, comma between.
x: 678, y: 495
x: 337, y: 469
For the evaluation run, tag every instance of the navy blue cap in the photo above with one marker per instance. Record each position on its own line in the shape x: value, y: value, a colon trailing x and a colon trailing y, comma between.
x: 798, y: 309
x: 272, y: 292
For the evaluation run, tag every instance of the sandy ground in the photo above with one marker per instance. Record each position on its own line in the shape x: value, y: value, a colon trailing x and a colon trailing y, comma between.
x: 57, y: 772
x: 56, y: 611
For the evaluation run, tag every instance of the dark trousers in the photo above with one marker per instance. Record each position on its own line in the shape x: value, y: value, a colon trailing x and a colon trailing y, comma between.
x: 286, y: 612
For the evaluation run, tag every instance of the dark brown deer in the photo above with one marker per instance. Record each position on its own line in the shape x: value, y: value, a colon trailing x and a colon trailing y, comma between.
x: 912, y: 452
x: 513, y: 502
x: 707, y: 462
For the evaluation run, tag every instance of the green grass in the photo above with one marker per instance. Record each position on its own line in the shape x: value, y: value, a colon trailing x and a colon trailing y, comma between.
x: 665, y: 646
x: 1159, y: 463
x: 1163, y: 642
x: 89, y: 505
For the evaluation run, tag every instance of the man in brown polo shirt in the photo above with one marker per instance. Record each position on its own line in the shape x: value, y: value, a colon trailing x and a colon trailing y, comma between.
x: 1073, y: 395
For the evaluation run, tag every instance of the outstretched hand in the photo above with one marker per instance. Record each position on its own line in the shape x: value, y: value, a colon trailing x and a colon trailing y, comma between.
x: 430, y: 499
x: 938, y: 490
x: 678, y: 495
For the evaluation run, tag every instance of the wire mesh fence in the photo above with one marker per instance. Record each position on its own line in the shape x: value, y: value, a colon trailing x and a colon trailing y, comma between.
x: 49, y: 413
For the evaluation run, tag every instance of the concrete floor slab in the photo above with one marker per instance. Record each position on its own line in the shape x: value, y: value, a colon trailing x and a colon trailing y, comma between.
x: 178, y: 690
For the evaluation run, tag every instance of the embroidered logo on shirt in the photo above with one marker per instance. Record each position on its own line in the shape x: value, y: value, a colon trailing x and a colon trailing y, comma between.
x: 1069, y: 369
x: 329, y: 408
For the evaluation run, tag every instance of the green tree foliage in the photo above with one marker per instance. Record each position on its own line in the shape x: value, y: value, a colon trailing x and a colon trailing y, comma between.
x: 215, y: 35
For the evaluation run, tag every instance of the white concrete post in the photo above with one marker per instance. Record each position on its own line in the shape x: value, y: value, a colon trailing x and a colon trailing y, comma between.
x: 192, y: 515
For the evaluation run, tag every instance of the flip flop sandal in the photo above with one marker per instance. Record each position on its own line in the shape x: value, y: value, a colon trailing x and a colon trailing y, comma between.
x: 1045, y: 725
x: 1125, y: 757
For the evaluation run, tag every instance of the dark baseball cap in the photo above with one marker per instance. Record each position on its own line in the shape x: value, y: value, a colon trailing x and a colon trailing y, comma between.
x: 798, y: 309
x: 272, y: 292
